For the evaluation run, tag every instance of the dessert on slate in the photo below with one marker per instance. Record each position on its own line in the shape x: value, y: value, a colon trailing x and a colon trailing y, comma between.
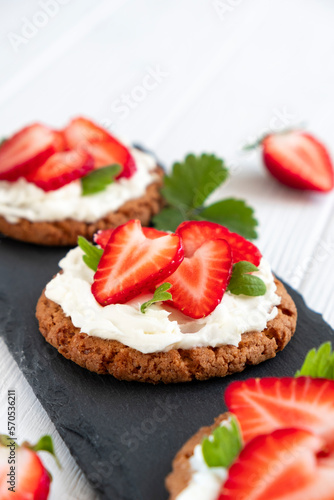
x: 276, y: 442
x: 152, y: 306
x: 57, y: 185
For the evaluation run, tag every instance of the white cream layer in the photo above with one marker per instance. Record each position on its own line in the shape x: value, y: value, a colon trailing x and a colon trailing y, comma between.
x: 22, y: 199
x: 205, y: 482
x: 161, y: 328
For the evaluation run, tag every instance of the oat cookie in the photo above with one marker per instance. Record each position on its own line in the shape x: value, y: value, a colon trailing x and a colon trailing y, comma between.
x: 181, y: 473
x: 66, y: 232
x: 177, y: 365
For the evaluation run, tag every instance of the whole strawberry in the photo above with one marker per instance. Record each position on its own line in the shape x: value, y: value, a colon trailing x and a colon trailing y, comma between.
x: 298, y: 160
x: 22, y: 473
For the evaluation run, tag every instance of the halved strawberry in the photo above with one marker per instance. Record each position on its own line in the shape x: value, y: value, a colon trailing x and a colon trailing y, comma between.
x: 132, y: 263
x: 82, y: 133
x: 22, y: 473
x: 298, y: 160
x: 199, y: 284
x: 194, y: 233
x: 61, y: 169
x: 27, y: 150
x: 263, y: 405
x: 102, y: 237
x: 288, y: 464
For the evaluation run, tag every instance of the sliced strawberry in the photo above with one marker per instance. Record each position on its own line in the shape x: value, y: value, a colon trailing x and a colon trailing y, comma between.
x: 61, y: 169
x: 32, y: 481
x: 102, y: 237
x: 28, y: 149
x: 263, y: 405
x: 200, y: 282
x: 298, y: 160
x: 194, y: 233
x: 82, y: 133
x: 132, y: 263
x: 288, y: 464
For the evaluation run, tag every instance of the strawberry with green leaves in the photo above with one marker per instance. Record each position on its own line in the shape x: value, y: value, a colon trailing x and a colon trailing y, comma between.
x: 84, y: 135
x: 196, y: 263
x: 51, y: 159
x: 22, y: 473
x: 287, y: 425
x: 277, y: 442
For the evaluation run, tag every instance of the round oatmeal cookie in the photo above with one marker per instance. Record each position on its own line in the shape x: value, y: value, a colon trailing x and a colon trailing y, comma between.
x: 179, y: 478
x: 65, y: 232
x: 177, y: 365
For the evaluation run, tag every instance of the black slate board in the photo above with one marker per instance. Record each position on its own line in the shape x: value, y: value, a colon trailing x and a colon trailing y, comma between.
x: 123, y: 435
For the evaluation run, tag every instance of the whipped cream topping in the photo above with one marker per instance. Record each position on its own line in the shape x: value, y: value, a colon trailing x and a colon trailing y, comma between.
x: 22, y: 199
x: 205, y: 482
x: 161, y: 328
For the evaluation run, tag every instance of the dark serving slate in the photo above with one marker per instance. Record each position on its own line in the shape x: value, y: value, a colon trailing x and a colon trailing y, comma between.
x: 123, y: 435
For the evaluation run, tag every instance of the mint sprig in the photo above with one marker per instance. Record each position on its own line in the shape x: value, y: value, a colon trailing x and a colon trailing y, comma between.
x: 92, y: 253
x: 98, y: 180
x: 224, y: 445
x: 318, y: 363
x: 243, y: 283
x: 186, y: 190
x: 160, y: 294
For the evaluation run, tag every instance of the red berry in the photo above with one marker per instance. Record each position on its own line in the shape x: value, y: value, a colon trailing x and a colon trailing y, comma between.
x: 101, y: 238
x: 199, y: 284
x: 61, y: 169
x: 106, y: 150
x: 133, y: 263
x: 27, y: 150
x: 32, y: 480
x: 199, y: 232
x: 288, y: 464
x: 298, y: 160
x: 263, y: 405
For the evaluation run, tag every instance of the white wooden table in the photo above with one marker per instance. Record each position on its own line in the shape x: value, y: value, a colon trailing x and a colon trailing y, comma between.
x: 180, y: 76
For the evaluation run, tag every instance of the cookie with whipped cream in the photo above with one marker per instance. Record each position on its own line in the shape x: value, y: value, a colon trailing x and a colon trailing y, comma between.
x: 48, y: 188
x: 94, y: 315
x: 260, y: 448
x: 189, y: 461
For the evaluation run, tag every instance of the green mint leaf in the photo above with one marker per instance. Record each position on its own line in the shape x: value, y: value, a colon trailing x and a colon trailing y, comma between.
x: 236, y: 215
x: 318, y: 363
x: 92, y: 253
x: 169, y: 219
x: 224, y: 446
x: 159, y: 295
x: 246, y: 284
x: 192, y: 181
x: 97, y: 180
x: 46, y: 444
